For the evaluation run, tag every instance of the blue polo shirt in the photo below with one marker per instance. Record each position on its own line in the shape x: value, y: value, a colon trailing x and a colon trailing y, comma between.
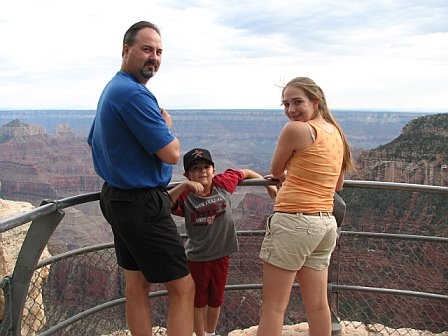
x: 127, y: 131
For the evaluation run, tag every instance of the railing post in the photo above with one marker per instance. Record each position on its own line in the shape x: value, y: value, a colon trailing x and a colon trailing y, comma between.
x: 336, y: 328
x: 33, y: 245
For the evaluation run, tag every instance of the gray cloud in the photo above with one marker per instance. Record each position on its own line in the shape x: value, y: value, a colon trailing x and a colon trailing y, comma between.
x: 381, y: 50
x: 313, y: 26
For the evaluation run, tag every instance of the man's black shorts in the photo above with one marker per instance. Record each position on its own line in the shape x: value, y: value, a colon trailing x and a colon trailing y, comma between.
x: 145, y: 235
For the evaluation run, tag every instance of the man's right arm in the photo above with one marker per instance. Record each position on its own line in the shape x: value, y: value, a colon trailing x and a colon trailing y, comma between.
x: 170, y: 153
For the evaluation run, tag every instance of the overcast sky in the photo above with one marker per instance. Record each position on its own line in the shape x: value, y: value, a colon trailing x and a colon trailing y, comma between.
x: 373, y: 54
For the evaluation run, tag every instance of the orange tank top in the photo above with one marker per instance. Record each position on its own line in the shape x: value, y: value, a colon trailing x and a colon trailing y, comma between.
x: 312, y: 174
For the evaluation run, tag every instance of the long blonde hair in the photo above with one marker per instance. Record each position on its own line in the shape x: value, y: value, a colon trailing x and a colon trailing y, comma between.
x: 313, y: 91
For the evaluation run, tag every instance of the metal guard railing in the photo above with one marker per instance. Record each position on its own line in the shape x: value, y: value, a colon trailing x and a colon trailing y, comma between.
x: 352, y: 295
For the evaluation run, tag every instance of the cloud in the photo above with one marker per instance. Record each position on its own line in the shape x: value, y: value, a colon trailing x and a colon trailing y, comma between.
x: 230, y: 54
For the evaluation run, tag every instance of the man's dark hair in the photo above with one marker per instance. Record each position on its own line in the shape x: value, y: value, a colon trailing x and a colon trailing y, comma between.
x: 129, y: 36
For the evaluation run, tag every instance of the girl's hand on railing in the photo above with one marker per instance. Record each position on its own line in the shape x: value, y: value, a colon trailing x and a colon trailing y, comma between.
x: 272, y: 190
x: 279, y: 180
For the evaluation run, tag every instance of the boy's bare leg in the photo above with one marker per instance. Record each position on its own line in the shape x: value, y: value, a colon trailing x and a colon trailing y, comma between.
x: 199, y: 320
x: 212, y: 317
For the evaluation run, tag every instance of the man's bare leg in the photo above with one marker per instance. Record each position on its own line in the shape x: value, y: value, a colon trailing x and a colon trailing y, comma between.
x: 138, y: 315
x: 180, y: 318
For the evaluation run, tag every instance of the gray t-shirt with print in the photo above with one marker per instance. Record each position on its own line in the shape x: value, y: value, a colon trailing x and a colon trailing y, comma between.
x: 209, y: 222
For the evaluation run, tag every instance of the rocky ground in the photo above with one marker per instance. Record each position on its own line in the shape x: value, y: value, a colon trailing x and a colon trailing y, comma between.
x: 349, y: 328
x: 10, y: 244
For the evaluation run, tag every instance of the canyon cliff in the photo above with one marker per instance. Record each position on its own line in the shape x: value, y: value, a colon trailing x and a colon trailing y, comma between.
x: 418, y: 155
x: 35, y: 166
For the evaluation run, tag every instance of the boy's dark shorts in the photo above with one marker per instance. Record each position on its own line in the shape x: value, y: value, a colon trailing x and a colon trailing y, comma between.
x: 145, y: 235
x: 210, y: 279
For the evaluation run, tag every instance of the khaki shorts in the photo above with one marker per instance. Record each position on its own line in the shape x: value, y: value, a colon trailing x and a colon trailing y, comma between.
x: 294, y: 240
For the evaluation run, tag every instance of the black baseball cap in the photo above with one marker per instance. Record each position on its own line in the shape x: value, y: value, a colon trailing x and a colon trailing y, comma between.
x: 196, y: 154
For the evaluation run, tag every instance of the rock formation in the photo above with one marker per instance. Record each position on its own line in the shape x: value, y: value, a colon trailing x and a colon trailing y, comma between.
x: 36, y: 166
x: 16, y: 128
x: 419, y: 155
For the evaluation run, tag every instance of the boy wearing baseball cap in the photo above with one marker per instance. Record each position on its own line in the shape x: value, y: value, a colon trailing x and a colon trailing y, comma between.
x: 204, y: 201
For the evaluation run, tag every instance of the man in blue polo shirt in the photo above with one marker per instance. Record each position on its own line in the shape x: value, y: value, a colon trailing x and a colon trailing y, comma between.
x: 134, y: 152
